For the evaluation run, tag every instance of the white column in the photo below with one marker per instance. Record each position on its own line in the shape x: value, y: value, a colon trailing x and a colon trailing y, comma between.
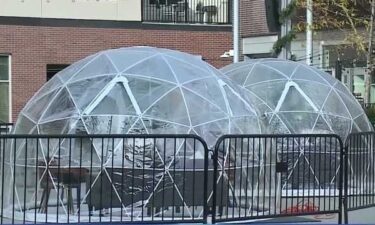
x: 309, y: 34
x: 236, y: 31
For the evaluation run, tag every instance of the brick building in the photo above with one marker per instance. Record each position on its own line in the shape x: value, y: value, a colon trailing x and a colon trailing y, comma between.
x: 40, y: 37
x: 259, y: 27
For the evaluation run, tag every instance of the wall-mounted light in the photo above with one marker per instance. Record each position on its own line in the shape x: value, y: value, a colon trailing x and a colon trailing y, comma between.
x: 228, y: 54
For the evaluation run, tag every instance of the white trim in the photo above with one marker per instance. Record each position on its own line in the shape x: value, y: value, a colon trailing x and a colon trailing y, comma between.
x: 9, y: 82
x: 221, y: 86
x: 107, y: 89
x: 285, y: 92
x: 125, y: 83
x: 10, y: 88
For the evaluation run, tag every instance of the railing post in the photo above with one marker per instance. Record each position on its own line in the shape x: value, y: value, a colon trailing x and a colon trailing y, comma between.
x: 344, y: 184
x: 186, y: 9
x: 205, y: 185
x: 215, y: 162
x: 341, y: 182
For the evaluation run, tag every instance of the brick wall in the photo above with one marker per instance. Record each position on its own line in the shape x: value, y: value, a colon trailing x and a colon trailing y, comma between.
x: 33, y: 47
x: 253, y: 20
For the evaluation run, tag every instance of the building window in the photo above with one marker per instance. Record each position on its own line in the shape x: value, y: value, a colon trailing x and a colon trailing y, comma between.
x: 5, y: 95
x: 52, y: 69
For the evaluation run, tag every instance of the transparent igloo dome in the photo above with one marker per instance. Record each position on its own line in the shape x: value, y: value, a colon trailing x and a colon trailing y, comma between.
x: 137, y: 90
x: 296, y: 98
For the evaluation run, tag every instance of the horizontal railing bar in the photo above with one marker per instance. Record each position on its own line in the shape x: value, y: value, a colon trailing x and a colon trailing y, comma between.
x: 55, y: 136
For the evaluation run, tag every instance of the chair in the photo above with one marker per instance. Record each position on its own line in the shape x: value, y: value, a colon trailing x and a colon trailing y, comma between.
x: 73, y: 178
x: 46, y: 183
x: 64, y: 178
x: 178, y: 10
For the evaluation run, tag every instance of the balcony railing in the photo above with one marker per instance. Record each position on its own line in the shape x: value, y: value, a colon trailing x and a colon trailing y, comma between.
x: 187, y: 11
x: 5, y: 128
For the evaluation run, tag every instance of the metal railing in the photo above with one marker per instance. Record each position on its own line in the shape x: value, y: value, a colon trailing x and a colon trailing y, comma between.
x: 5, y: 128
x: 368, y: 105
x: 360, y: 171
x: 103, y: 178
x: 150, y: 178
x: 187, y: 11
x: 264, y: 176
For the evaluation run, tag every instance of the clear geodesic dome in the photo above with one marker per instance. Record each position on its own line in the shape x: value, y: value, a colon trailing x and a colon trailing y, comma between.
x: 296, y: 98
x: 137, y: 90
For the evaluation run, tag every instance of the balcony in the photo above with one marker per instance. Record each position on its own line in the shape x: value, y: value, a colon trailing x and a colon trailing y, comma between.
x: 214, y: 12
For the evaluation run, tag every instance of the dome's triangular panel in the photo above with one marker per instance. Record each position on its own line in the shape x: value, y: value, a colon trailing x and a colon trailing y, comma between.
x: 122, y: 60
x: 321, y: 126
x: 310, y: 89
x: 304, y: 73
x: 50, y: 146
x: 139, y: 126
x: 184, y: 72
x: 238, y: 106
x: 299, y: 122
x: 270, y: 93
x: 58, y: 126
x: 54, y: 83
x: 108, y: 124
x: 260, y: 73
x: 352, y: 105
x: 275, y: 124
x: 335, y: 106
x: 92, y: 87
x: 240, y: 74
x: 42, y: 103
x: 286, y: 69
x: 154, y: 126
x: 210, y: 112
x: 67, y: 73
x: 99, y: 66
x: 213, y: 130
x: 25, y: 126
x: 117, y: 101
x: 174, y: 109
x: 148, y: 91
x: 210, y: 89
x: 155, y: 67
x: 295, y: 101
x: 240, y: 125
x: 362, y: 122
x: 340, y: 125
x: 61, y: 107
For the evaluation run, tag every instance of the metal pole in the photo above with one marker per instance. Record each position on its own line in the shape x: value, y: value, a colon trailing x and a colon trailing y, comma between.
x: 285, y: 28
x: 370, y: 59
x: 309, y: 37
x: 236, y: 31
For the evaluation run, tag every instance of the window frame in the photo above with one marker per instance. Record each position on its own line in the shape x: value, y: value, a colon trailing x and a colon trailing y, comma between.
x: 9, y: 81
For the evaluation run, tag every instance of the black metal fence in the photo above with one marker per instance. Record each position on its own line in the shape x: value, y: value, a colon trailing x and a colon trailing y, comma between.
x: 187, y: 11
x: 262, y: 176
x: 177, y: 178
x: 360, y: 171
x: 103, y: 178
